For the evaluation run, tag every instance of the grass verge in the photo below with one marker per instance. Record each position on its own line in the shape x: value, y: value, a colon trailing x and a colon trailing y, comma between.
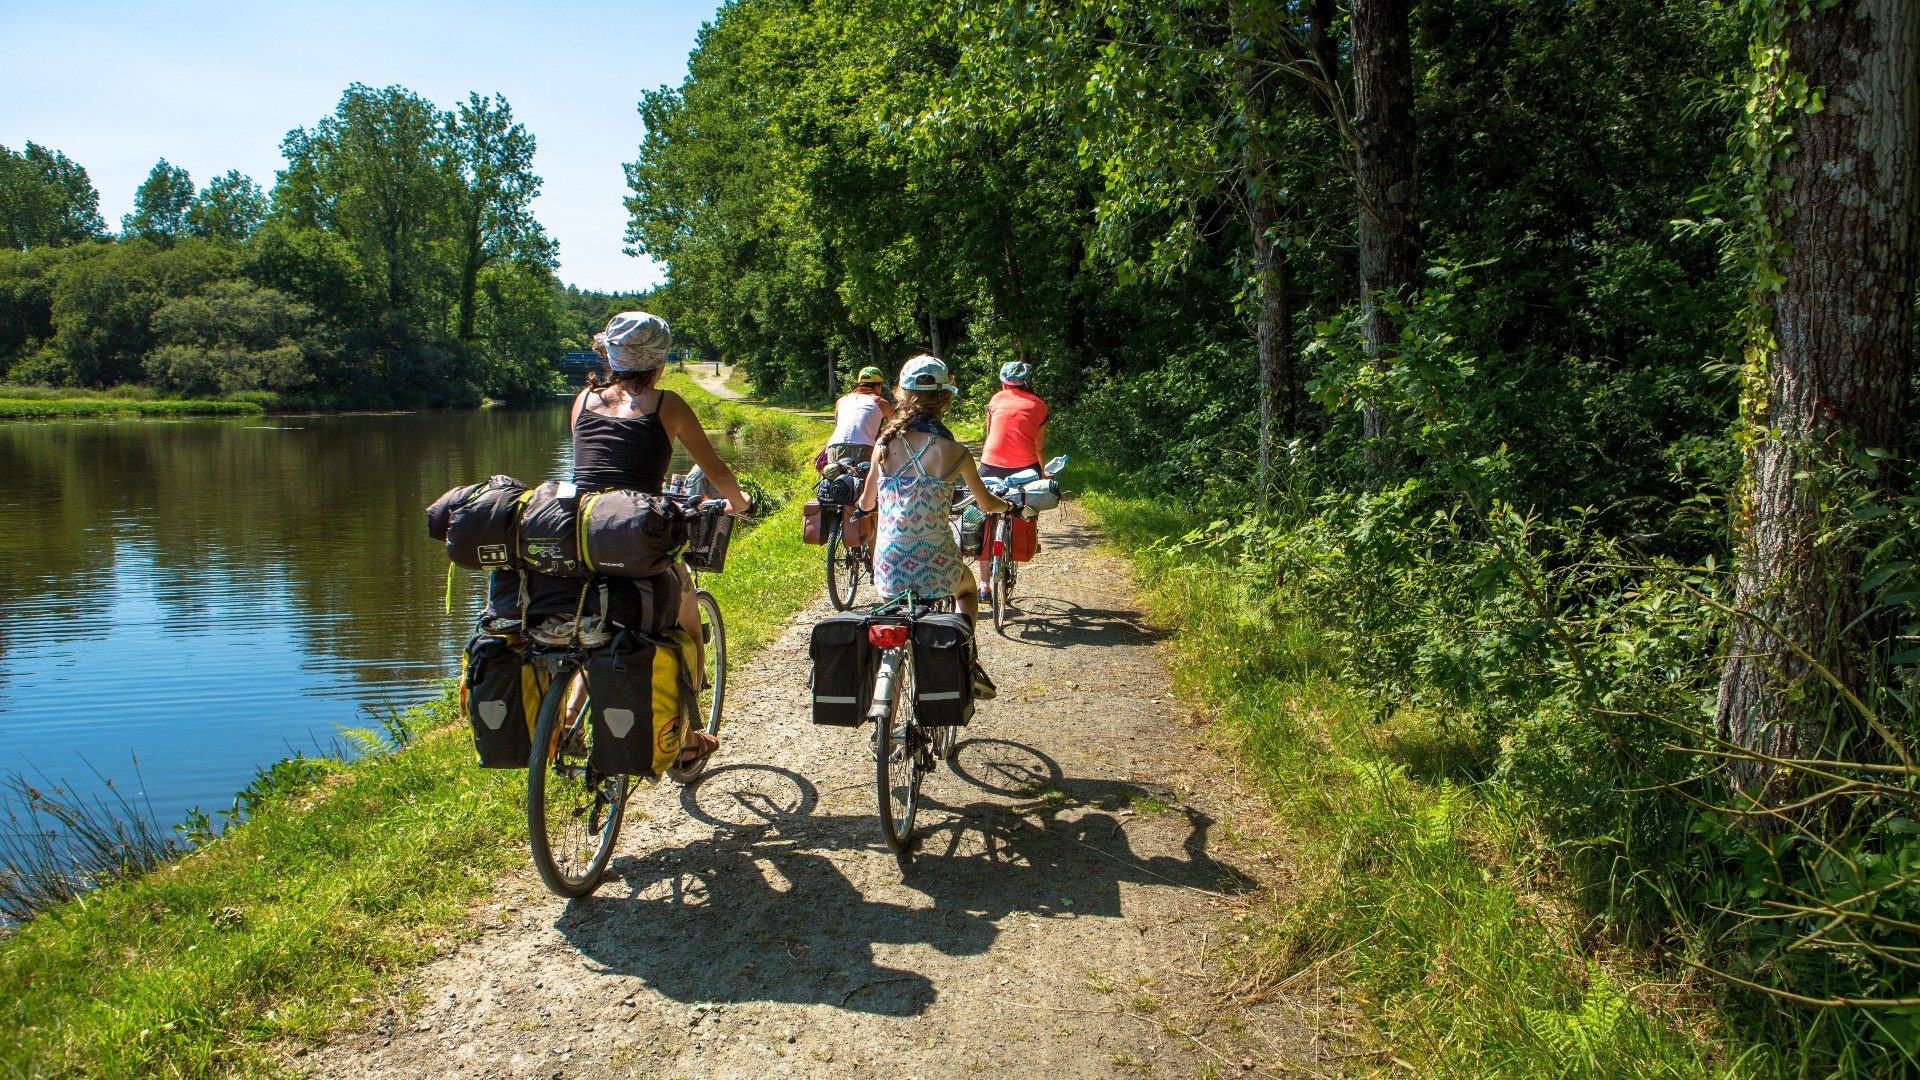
x: 289, y: 922
x: 1426, y: 895
x: 48, y: 408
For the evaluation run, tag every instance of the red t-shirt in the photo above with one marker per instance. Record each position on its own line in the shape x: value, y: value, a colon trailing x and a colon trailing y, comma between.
x: 1017, y: 415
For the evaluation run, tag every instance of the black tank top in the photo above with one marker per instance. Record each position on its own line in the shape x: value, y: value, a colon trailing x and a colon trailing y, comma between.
x: 621, y: 451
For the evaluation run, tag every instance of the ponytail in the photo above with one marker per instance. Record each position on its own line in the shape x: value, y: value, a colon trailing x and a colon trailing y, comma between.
x: 911, y: 405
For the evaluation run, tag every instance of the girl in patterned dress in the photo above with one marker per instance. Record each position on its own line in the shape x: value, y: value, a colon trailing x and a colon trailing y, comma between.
x: 916, y: 463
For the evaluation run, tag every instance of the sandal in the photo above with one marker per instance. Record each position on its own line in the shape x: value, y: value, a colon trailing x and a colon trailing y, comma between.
x: 694, y: 752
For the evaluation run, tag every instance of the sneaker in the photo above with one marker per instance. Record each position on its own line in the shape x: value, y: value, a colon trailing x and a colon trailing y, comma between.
x: 986, y: 595
x: 983, y: 688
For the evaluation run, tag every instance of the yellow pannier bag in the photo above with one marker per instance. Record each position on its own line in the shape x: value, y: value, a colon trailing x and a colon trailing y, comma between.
x: 500, y: 694
x: 641, y: 693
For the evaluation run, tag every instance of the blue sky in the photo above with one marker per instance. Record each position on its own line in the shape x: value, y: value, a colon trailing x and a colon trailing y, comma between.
x: 215, y: 86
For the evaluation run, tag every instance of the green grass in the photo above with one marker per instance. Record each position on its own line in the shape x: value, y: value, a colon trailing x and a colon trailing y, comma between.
x: 1429, y: 899
x: 292, y: 921
x: 47, y: 408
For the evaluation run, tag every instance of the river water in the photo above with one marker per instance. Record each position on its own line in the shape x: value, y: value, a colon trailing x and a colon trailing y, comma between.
x: 207, y: 596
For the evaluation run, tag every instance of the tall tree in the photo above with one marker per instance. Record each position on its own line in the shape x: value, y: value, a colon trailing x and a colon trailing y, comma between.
x: 230, y: 207
x: 1255, y: 62
x: 45, y: 200
x: 492, y: 159
x: 376, y: 173
x: 160, y: 204
x: 1385, y: 177
x: 1829, y: 370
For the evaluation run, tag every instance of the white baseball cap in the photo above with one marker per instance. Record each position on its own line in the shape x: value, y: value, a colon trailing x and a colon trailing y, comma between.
x: 926, y: 373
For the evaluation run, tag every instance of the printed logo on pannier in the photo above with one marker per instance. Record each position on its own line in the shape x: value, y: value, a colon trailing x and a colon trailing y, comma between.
x: 668, y: 739
x: 546, y: 549
x: 493, y: 714
x: 491, y: 555
x: 619, y: 721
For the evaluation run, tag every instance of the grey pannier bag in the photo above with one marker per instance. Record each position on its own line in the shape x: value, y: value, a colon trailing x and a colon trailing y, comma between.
x: 630, y: 533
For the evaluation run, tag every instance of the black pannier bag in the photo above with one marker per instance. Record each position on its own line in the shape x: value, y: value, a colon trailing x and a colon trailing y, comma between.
x: 549, y: 534
x: 635, y: 688
x: 631, y: 534
x: 500, y: 693
x: 477, y: 521
x: 844, y: 666
x: 606, y: 605
x: 943, y: 669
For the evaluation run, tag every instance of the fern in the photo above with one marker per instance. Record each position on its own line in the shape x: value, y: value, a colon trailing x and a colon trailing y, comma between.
x: 1581, y: 1034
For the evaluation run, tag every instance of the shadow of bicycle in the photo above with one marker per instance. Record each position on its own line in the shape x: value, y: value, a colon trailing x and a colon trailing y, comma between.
x: 785, y: 904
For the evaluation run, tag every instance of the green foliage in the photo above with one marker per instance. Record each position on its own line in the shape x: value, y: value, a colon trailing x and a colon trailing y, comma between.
x: 232, y: 336
x: 46, y: 200
x: 230, y: 208
x: 160, y: 204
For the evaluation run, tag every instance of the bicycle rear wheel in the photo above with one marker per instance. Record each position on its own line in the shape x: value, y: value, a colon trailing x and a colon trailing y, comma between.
x: 573, y: 812
x: 897, y: 768
x: 1002, y: 581
x: 843, y: 569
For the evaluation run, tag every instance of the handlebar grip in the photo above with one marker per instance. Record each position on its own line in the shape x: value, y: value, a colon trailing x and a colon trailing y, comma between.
x: 712, y: 504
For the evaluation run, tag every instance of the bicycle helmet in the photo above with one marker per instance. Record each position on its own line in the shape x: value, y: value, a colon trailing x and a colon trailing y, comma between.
x: 870, y: 376
x: 1016, y: 371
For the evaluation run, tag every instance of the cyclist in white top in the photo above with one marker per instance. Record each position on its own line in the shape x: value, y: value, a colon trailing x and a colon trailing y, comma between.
x: 858, y: 416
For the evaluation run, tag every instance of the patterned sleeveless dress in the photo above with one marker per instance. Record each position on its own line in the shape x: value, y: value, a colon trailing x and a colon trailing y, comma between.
x: 915, y: 548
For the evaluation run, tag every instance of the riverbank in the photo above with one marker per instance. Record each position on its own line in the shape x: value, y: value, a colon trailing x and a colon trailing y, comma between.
x: 343, y: 874
x: 62, y: 408
x: 1423, y: 889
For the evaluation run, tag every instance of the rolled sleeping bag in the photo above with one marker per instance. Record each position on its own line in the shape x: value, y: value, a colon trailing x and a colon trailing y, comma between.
x: 476, y: 522
x: 549, y: 539
x: 630, y: 533
x: 1041, y: 494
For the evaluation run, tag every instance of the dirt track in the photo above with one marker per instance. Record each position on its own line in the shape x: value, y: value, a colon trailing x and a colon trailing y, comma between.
x: 1064, y: 917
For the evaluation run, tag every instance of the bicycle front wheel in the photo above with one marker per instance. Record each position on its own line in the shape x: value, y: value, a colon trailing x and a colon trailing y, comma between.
x: 573, y: 812
x: 843, y: 570
x: 713, y: 685
x: 896, y: 761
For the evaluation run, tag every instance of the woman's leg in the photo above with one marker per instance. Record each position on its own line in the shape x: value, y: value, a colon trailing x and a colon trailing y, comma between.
x: 966, y: 594
x: 698, y: 742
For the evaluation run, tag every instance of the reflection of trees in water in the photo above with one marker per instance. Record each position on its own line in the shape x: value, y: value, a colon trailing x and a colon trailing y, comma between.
x: 316, y: 525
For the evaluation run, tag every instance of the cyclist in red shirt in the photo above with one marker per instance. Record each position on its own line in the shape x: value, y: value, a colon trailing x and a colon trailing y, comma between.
x: 1016, y: 436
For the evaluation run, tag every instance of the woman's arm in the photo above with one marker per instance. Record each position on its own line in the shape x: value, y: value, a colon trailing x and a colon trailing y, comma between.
x: 870, y: 491
x: 677, y: 417
x: 1040, y: 447
x: 886, y: 408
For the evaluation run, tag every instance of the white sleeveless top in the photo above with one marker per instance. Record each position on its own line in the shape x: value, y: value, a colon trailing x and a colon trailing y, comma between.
x: 857, y: 420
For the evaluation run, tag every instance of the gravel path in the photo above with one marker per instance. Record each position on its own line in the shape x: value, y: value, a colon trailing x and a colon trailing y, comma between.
x: 1065, y: 915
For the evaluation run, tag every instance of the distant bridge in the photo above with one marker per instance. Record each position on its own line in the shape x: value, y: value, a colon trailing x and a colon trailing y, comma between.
x: 577, y: 365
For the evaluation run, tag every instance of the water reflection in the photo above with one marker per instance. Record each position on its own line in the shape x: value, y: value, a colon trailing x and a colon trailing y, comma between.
x: 213, y: 594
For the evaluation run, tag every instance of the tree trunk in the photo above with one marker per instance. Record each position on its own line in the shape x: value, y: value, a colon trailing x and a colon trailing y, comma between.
x: 1253, y: 69
x: 1384, y: 174
x: 1834, y: 372
x: 933, y: 335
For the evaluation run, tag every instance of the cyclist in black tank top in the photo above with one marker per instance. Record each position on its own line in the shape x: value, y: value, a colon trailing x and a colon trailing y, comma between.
x: 624, y: 428
x: 620, y: 452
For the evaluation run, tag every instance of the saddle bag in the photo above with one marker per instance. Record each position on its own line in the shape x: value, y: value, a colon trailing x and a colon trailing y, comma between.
x: 549, y: 535
x: 844, y: 666
x: 943, y: 669
x: 635, y: 689
x: 1023, y: 538
x: 631, y: 534
x: 856, y: 528
x: 476, y: 522
x: 500, y: 693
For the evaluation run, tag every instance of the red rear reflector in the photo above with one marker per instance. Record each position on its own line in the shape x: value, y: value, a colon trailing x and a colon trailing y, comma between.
x: 887, y: 635
x: 999, y: 548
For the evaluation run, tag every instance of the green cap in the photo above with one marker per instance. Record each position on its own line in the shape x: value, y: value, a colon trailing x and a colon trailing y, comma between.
x: 870, y: 375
